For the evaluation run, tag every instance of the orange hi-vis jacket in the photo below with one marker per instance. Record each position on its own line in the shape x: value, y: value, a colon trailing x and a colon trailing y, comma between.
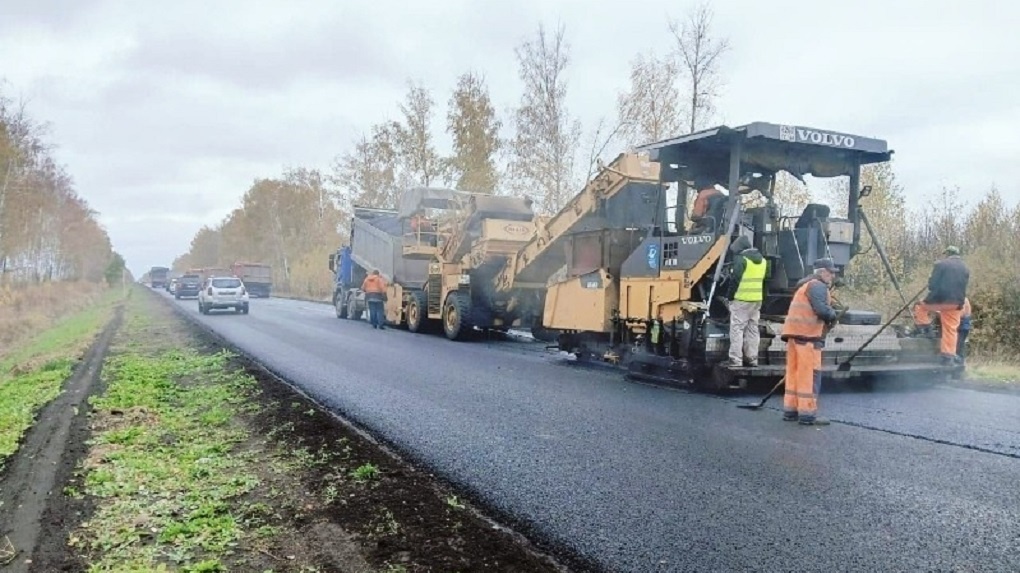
x: 374, y: 284
x: 701, y: 202
x: 802, y: 322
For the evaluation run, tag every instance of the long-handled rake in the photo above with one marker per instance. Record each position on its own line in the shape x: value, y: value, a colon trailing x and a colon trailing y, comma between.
x: 845, y: 365
x: 757, y: 405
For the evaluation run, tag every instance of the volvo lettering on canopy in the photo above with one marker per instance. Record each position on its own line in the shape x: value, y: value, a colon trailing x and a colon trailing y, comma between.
x: 808, y: 135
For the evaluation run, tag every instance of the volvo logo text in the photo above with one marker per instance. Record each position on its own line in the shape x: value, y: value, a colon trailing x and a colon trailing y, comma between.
x: 822, y: 138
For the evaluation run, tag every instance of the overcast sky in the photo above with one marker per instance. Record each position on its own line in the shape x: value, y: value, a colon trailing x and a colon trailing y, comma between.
x: 164, y: 112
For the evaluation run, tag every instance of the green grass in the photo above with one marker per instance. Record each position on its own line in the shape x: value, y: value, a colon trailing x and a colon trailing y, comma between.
x: 993, y: 371
x: 34, y: 373
x: 164, y: 469
x: 166, y: 472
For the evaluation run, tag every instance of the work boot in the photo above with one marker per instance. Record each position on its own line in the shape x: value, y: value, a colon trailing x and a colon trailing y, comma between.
x: 789, y: 416
x: 813, y: 421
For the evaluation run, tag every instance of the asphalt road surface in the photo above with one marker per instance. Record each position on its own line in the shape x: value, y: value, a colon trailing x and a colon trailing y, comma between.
x: 640, y: 478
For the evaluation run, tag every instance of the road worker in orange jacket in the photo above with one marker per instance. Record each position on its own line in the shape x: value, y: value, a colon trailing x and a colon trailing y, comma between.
x: 374, y: 287
x: 804, y: 332
x: 703, y: 215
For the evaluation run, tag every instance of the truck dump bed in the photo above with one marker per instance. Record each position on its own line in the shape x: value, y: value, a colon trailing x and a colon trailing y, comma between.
x: 622, y: 195
x: 377, y: 243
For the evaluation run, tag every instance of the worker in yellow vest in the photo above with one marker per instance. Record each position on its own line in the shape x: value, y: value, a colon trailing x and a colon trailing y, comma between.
x: 746, y: 292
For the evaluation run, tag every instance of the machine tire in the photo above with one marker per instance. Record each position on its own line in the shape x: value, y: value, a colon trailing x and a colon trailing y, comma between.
x: 417, y: 311
x: 341, y: 309
x: 544, y: 334
x: 352, y: 314
x: 456, y: 324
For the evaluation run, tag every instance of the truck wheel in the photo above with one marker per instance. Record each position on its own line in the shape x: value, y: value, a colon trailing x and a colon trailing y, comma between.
x: 352, y: 311
x: 456, y: 316
x: 339, y: 303
x: 417, y: 311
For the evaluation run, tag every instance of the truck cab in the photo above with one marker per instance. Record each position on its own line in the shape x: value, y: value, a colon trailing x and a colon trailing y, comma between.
x: 348, y: 299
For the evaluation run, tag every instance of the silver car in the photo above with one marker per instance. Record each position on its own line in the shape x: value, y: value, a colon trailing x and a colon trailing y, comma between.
x: 222, y: 293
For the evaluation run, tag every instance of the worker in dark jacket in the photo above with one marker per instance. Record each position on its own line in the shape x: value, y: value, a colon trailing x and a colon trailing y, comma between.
x: 746, y: 293
x: 947, y: 292
x: 810, y: 316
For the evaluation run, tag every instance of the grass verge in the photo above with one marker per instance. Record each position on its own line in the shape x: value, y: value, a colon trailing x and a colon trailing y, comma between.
x: 33, y: 374
x: 162, y: 463
x: 27, y: 310
x: 198, y: 460
x: 991, y: 371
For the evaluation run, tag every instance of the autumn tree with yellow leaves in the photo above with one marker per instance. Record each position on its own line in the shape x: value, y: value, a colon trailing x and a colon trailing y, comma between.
x: 47, y: 231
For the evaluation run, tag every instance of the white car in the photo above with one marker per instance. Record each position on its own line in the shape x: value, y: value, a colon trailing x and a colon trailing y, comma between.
x: 222, y: 293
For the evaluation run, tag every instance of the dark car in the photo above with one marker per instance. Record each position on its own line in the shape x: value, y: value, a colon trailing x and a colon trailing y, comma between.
x: 188, y: 285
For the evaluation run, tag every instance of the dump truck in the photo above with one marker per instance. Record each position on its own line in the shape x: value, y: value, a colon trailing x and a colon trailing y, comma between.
x: 654, y: 306
x: 257, y: 277
x: 158, y: 277
x: 439, y: 252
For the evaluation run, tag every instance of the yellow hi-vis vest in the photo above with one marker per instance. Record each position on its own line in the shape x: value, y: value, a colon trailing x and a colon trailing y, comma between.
x: 750, y: 287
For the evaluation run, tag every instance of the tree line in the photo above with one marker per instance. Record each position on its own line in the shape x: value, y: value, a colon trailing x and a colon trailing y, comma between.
x: 47, y: 231
x: 540, y: 150
x: 293, y: 221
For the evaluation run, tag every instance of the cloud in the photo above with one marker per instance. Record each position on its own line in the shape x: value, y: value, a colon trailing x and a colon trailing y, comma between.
x: 165, y: 113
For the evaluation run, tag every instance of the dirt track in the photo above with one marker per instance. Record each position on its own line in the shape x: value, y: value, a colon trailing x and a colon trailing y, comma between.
x: 31, y: 504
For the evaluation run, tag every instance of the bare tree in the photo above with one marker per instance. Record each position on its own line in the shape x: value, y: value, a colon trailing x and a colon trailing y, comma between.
x: 600, y: 139
x: 650, y: 110
x: 472, y: 122
x: 699, y: 53
x: 421, y: 164
x: 544, y: 146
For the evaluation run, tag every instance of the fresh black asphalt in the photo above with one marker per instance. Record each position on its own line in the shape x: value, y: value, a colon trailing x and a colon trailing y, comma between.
x: 640, y: 478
